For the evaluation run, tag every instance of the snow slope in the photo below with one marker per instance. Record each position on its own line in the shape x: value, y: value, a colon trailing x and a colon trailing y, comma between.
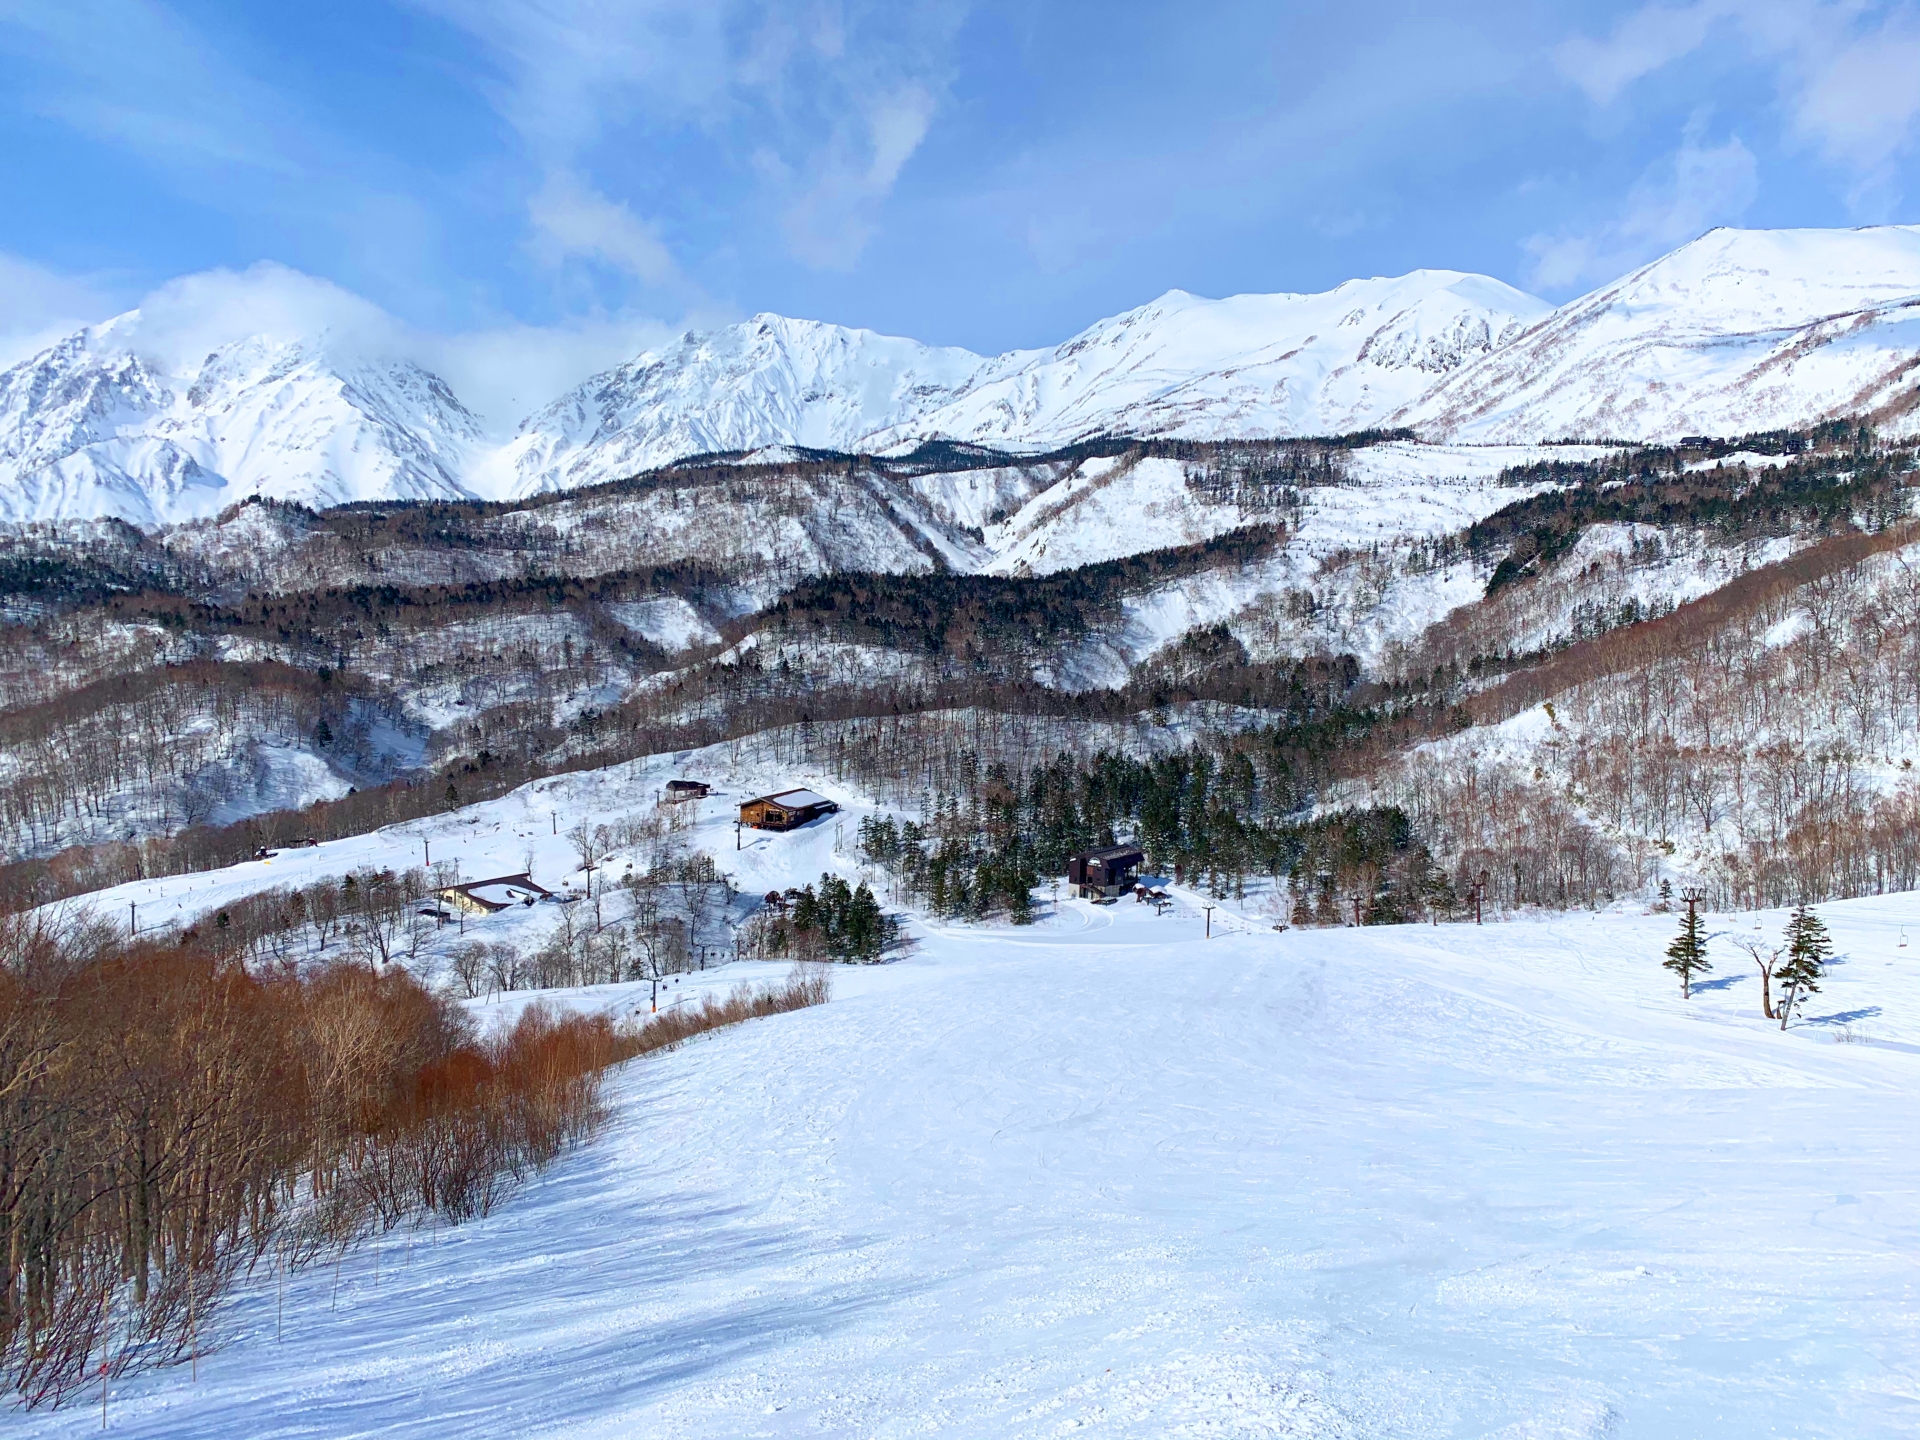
x: 95, y: 426
x: 1104, y: 1176
x: 1741, y: 330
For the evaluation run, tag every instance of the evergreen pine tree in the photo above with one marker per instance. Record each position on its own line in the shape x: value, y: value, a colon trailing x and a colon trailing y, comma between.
x: 865, y: 928
x: 1687, y: 955
x: 1808, y: 950
x: 806, y: 910
x: 1300, y: 914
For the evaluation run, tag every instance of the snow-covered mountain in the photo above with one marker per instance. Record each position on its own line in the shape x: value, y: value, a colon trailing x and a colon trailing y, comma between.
x: 96, y: 425
x: 1740, y: 330
x: 767, y: 381
x: 1247, y: 366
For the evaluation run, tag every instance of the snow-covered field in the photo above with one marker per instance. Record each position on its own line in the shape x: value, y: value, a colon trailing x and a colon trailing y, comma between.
x: 1106, y: 1176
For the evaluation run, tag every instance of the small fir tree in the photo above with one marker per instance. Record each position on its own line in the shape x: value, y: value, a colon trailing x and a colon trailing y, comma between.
x: 865, y: 930
x: 1687, y: 955
x: 1808, y: 948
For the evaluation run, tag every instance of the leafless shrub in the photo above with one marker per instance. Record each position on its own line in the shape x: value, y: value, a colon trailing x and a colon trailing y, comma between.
x: 808, y: 983
x: 168, y: 1118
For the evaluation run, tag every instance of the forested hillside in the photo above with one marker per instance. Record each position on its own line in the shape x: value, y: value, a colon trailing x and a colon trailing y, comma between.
x: 1599, y: 668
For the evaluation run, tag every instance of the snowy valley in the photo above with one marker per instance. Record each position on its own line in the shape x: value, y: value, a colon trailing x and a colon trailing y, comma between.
x: 1146, y: 1171
x: 1431, y: 661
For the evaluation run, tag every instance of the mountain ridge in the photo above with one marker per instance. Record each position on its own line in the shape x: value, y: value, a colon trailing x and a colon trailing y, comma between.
x: 91, y: 427
x: 1737, y: 331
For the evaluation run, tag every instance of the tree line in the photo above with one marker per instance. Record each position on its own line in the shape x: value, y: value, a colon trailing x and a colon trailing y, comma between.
x: 1214, y: 819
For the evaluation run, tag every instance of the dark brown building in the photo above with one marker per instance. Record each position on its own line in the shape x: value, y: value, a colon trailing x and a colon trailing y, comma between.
x: 1104, y: 874
x: 678, y: 790
x: 787, y: 810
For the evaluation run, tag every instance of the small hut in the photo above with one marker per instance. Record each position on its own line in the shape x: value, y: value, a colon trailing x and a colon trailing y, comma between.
x: 1104, y: 874
x: 785, y: 810
x: 679, y: 790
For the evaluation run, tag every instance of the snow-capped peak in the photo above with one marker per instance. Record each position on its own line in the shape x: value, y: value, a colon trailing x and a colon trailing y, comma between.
x: 768, y: 381
x: 97, y: 424
x: 1244, y: 366
x: 166, y: 415
x: 1739, y: 330
x: 1249, y: 365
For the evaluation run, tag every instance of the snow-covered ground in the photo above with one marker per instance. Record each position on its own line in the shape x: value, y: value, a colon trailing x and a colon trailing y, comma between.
x: 1107, y: 1176
x: 525, y: 830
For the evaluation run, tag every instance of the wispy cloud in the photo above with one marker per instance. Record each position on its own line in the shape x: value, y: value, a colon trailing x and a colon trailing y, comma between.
x: 1847, y: 72
x: 39, y: 305
x: 572, y: 219
x: 132, y: 73
x: 565, y: 71
x: 1858, y: 102
x: 1697, y: 187
x: 818, y: 106
x: 1647, y: 40
x: 138, y: 78
x: 831, y: 220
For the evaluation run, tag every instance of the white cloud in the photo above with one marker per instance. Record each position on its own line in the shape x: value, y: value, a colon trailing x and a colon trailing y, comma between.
x: 39, y: 306
x: 571, y: 218
x: 822, y: 104
x: 1646, y: 41
x: 501, y: 372
x: 1858, y: 103
x: 568, y: 69
x: 1848, y: 72
x: 897, y: 125
x: 185, y: 320
x: 506, y: 372
x: 1697, y: 187
x: 830, y: 222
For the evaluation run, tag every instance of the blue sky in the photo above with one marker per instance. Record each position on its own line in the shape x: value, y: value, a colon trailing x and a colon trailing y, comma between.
x: 555, y: 183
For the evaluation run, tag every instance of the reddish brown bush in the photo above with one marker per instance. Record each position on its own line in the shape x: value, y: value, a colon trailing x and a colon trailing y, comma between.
x: 168, y: 1120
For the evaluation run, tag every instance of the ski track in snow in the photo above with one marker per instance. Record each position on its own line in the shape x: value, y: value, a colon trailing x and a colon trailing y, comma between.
x: 1104, y: 1176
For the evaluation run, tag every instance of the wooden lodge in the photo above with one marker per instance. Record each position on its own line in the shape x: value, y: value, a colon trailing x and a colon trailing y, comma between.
x: 679, y: 790
x: 488, y: 897
x: 1104, y: 874
x: 785, y: 810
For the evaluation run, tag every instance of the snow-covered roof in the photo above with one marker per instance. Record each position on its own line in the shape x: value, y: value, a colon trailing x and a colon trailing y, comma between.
x: 796, y: 799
